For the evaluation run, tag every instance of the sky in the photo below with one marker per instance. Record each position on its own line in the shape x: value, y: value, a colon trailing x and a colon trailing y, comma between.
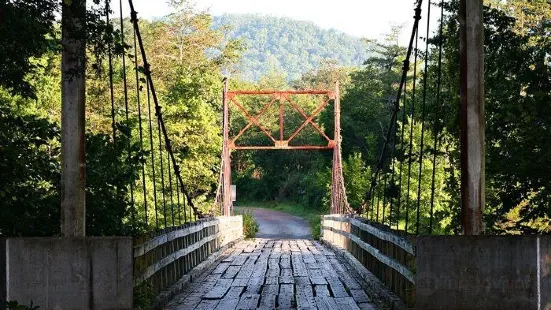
x: 362, y: 18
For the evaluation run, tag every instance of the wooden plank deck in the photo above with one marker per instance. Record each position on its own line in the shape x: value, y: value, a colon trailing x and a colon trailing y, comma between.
x: 275, y: 274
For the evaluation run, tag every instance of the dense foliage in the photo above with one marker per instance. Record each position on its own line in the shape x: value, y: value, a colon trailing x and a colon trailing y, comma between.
x: 287, y: 45
x: 517, y: 96
x: 189, y: 51
x: 189, y: 84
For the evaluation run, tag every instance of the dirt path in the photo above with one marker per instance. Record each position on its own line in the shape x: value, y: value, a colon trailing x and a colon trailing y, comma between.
x: 279, y: 225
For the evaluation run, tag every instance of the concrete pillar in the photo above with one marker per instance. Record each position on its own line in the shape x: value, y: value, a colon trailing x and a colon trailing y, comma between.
x: 73, y: 164
x: 472, y: 116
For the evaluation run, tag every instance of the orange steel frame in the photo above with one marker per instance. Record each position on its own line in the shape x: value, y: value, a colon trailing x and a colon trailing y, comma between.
x: 282, y: 143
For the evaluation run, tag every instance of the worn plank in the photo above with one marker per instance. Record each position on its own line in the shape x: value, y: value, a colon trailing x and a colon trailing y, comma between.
x: 232, y: 254
x: 273, y: 273
x: 366, y: 306
x: 286, y: 276
x: 231, y: 299
x: 248, y: 301
x: 303, y: 281
x: 207, y: 304
x: 261, y: 266
x: 273, y: 263
x: 322, y: 290
x: 219, y: 290
x: 360, y: 296
x: 337, y: 287
x: 191, y: 301
x: 239, y: 260
x: 309, y: 259
x: 317, y: 276
x: 231, y: 272
x: 240, y: 282
x: 221, y: 268
x: 249, y: 249
x: 325, y: 303
x: 285, y: 261
x: 286, y: 296
x: 346, y: 303
x: 305, y: 302
x: 301, y: 275
x: 246, y: 270
x: 316, y: 273
x: 299, y: 268
x: 254, y: 285
x: 268, y: 296
x: 304, y: 294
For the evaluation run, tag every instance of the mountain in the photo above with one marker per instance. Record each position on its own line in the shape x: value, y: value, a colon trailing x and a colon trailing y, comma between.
x: 288, y: 45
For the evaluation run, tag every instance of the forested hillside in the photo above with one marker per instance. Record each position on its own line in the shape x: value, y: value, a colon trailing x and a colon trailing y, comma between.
x: 188, y: 80
x: 287, y: 45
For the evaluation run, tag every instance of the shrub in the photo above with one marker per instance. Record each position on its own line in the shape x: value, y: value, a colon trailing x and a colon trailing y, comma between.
x: 250, y: 226
x: 14, y: 305
x: 315, y: 226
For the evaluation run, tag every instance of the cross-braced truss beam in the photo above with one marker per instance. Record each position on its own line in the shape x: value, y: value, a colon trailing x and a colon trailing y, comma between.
x: 339, y: 203
x: 281, y: 142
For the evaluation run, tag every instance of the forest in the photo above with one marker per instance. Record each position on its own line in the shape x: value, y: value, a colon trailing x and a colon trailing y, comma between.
x: 190, y: 52
x: 287, y: 46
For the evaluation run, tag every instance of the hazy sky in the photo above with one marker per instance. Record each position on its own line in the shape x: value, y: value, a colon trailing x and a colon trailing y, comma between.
x: 362, y: 18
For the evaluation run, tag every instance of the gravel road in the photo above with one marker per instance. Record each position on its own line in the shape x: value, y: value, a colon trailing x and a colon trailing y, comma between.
x: 279, y: 225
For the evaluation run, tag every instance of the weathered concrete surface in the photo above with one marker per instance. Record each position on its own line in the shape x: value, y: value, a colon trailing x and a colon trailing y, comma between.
x: 276, y: 274
x: 68, y: 273
x: 545, y: 272
x: 483, y: 272
x: 276, y: 224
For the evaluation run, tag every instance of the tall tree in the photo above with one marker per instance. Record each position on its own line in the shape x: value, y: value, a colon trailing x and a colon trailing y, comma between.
x: 26, y: 32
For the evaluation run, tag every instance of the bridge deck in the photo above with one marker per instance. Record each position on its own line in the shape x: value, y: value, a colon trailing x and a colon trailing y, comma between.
x: 270, y: 274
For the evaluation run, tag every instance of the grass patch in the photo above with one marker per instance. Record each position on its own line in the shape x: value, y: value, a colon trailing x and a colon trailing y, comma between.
x: 313, y: 217
x: 250, y: 226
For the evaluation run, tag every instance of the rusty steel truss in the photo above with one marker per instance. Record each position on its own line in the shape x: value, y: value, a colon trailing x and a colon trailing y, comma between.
x: 339, y: 203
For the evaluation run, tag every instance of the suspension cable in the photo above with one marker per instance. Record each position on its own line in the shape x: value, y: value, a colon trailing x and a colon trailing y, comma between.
x: 152, y: 151
x: 405, y: 69
x: 112, y: 97
x: 436, y: 113
x: 384, y: 196
x: 178, y: 203
x: 378, y: 199
x: 425, y: 80
x: 402, y: 154
x: 168, y: 145
x: 163, y: 189
x: 110, y: 58
x: 411, y: 125
x: 138, y: 89
x: 170, y: 188
x: 125, y: 87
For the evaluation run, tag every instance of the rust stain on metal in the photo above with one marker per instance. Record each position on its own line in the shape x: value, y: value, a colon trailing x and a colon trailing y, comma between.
x: 339, y: 202
x: 281, y: 96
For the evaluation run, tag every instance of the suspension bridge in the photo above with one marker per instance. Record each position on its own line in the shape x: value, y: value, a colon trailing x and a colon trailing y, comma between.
x: 386, y: 254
